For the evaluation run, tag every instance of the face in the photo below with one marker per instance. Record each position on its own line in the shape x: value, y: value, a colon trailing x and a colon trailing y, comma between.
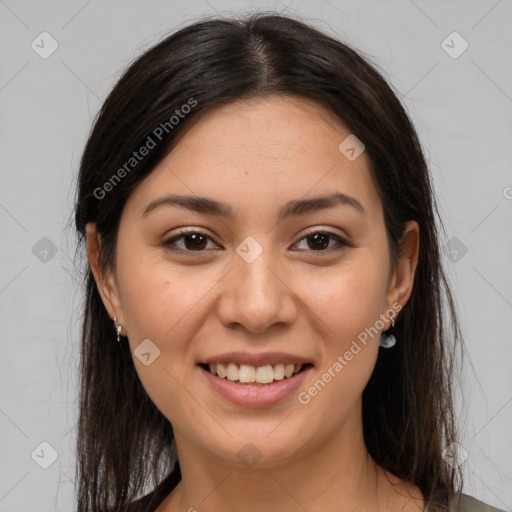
x: 270, y: 282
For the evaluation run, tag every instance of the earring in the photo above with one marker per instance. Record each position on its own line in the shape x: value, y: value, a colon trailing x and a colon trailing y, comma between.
x: 388, y: 340
x: 118, y: 328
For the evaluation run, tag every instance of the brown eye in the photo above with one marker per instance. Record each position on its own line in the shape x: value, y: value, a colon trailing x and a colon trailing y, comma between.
x: 194, y: 242
x: 320, y: 241
x: 191, y: 241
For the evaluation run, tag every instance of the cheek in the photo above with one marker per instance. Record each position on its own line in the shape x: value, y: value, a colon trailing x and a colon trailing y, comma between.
x: 348, y: 298
x: 158, y: 297
x: 159, y: 304
x: 348, y: 305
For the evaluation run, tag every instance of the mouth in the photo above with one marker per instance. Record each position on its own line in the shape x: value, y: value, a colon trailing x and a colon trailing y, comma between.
x: 246, y: 374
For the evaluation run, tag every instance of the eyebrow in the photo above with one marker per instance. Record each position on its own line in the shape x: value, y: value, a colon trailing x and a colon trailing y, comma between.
x: 293, y: 208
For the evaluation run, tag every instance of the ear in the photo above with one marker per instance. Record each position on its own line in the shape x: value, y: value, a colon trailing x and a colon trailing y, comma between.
x: 105, y: 281
x: 402, y: 277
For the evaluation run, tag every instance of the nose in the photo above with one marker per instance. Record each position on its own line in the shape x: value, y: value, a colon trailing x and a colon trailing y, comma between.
x: 256, y: 295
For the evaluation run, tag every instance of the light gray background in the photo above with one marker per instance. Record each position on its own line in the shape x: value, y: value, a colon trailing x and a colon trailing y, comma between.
x: 462, y: 108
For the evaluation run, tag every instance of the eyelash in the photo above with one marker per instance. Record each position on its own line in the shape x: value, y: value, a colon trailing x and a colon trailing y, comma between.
x: 343, y: 243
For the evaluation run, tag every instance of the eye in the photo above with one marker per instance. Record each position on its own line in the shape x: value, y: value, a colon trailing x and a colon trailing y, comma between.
x: 197, y: 241
x: 319, y: 241
x: 192, y: 240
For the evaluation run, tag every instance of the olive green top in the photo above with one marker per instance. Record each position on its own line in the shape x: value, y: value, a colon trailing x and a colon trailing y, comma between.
x: 461, y: 503
x: 466, y: 503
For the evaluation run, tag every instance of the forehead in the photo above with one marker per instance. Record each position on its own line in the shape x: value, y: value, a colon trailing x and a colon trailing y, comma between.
x: 261, y: 151
x: 272, y: 123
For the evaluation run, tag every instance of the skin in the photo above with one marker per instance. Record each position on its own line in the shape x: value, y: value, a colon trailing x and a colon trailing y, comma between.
x: 257, y: 155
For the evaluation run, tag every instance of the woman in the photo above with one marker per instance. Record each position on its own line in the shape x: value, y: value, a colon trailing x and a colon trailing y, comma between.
x: 262, y: 243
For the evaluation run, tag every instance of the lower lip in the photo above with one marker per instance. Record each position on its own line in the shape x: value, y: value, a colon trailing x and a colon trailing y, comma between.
x: 258, y: 395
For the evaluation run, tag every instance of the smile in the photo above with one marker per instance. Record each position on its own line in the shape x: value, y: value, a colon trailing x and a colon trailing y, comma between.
x: 263, y: 384
x: 249, y: 374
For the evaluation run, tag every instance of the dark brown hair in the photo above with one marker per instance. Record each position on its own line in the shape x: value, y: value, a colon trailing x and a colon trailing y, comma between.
x: 125, y: 445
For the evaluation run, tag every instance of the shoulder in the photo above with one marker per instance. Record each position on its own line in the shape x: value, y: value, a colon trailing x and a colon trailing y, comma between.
x: 152, y: 501
x: 466, y: 503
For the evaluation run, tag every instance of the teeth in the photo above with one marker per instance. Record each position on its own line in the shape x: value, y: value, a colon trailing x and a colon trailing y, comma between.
x: 221, y: 370
x: 278, y: 371
x: 246, y: 373
x: 288, y: 370
x: 264, y: 374
x: 232, y: 371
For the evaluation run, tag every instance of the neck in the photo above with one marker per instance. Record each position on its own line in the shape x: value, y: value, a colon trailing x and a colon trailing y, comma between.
x: 339, y: 471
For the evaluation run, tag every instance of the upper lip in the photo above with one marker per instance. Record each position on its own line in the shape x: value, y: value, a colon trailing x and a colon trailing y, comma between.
x: 256, y: 359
